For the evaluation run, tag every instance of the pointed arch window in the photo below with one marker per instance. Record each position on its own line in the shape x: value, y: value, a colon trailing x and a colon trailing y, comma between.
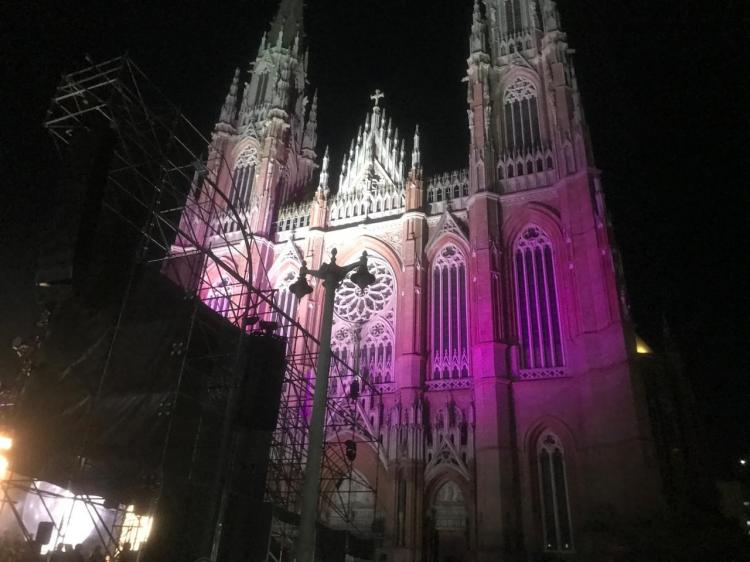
x: 521, y: 117
x: 450, y: 333
x: 261, y: 88
x: 537, y: 307
x: 244, y: 177
x: 553, y: 493
x: 513, y: 17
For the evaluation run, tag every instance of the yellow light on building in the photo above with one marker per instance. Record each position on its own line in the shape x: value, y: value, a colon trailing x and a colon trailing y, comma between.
x: 641, y: 347
x: 6, y: 443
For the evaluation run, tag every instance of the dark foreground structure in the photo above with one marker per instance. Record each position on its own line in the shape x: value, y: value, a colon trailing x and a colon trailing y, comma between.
x: 136, y: 398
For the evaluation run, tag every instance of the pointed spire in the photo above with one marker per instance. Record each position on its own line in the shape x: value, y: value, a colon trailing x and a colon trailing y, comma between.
x: 229, y: 109
x: 311, y: 130
x: 416, y: 156
x: 288, y: 23
x: 323, y: 183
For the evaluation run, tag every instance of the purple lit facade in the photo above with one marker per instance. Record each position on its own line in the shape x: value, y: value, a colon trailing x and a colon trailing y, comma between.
x: 497, y: 331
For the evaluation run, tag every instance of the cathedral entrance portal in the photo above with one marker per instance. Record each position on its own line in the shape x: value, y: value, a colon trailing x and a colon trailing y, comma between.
x: 448, y: 523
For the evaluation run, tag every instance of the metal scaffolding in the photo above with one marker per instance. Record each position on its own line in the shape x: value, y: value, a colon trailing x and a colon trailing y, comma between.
x: 158, y: 185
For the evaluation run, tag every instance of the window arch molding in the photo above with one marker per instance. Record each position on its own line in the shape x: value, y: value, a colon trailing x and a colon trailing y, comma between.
x: 373, y: 246
x: 243, y: 147
x: 447, y: 238
x: 445, y: 476
x: 287, y: 256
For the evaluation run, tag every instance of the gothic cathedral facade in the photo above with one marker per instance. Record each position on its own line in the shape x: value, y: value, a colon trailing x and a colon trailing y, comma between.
x: 497, y: 330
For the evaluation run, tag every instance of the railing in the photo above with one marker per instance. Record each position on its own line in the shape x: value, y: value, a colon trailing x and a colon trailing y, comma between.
x: 517, y: 171
x: 448, y: 186
x: 378, y: 203
x: 546, y: 373
x: 293, y: 216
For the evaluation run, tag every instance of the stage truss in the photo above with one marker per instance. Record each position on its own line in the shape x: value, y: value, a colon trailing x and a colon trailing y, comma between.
x: 160, y: 186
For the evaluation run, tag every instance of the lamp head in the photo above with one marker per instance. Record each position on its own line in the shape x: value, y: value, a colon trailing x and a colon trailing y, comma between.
x: 301, y: 288
x: 362, y: 276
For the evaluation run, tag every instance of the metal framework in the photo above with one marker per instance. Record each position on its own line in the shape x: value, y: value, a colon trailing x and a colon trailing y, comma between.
x: 158, y: 185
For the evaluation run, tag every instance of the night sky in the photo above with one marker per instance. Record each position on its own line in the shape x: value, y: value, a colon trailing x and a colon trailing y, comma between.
x: 662, y: 82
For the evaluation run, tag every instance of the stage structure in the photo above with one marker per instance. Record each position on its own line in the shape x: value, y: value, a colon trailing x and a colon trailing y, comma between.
x: 159, y: 204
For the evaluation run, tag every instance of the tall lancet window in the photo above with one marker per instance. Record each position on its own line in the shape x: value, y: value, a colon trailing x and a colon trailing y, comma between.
x: 536, y: 301
x: 521, y: 117
x: 287, y: 302
x: 450, y: 334
x: 244, y: 177
x: 513, y: 17
x: 553, y: 493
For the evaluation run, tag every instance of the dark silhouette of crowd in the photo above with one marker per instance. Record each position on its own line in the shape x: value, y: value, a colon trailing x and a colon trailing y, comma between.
x: 15, y: 549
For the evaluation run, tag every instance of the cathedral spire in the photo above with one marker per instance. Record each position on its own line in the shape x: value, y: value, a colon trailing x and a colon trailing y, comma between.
x: 229, y: 109
x: 416, y: 157
x: 287, y: 25
x: 323, y: 183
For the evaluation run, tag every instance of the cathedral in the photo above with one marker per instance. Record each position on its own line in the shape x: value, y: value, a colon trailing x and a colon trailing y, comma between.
x: 497, y: 330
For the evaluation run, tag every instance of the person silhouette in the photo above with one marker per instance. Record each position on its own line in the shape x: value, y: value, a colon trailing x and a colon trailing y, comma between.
x: 96, y: 555
x: 59, y: 554
x: 126, y: 554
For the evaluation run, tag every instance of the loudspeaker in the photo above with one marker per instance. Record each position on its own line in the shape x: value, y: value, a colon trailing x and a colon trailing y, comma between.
x: 44, y: 532
x: 261, y: 384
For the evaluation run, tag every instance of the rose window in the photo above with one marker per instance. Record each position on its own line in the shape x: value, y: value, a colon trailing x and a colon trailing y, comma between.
x: 358, y: 306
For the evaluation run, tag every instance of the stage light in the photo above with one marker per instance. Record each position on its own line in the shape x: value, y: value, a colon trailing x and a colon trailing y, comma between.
x: 135, y: 528
x: 6, y: 443
x: 4, y: 468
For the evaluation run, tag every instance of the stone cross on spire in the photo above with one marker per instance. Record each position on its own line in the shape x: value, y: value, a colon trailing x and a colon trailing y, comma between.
x: 376, y: 97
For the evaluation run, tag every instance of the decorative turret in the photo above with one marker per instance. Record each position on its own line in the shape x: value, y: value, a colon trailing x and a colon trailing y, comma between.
x: 416, y: 157
x: 323, y: 182
x: 481, y: 156
x: 319, y: 208
x: 414, y: 185
x: 229, y: 109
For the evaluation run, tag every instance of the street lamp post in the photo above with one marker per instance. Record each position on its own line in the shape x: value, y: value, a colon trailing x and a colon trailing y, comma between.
x: 332, y: 276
